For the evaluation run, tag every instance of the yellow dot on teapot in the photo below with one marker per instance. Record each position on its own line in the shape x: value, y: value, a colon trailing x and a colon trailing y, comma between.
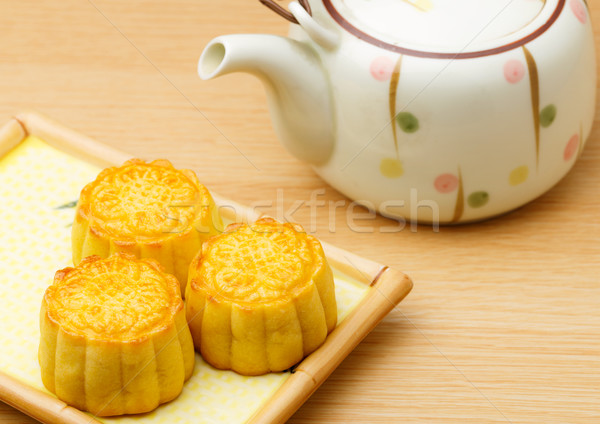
x: 391, y: 168
x: 422, y: 5
x: 518, y: 175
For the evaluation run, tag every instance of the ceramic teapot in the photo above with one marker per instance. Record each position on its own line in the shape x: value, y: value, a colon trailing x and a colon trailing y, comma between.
x: 427, y: 110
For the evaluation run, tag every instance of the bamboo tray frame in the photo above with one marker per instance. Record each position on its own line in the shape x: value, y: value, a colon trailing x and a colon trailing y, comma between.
x: 388, y: 288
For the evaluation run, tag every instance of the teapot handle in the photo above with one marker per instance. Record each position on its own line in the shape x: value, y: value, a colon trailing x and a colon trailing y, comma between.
x: 320, y: 35
x: 300, y: 13
x: 284, y: 13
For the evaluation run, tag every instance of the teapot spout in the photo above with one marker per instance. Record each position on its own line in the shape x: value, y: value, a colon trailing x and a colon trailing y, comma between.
x: 298, y: 89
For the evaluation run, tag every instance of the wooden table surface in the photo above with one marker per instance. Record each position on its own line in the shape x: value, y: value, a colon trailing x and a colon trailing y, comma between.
x: 503, y: 324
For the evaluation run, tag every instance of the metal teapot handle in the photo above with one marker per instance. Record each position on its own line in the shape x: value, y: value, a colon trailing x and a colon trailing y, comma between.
x: 301, y: 14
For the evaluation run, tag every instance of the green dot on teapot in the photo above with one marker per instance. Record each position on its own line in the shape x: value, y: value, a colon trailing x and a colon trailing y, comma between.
x: 547, y: 116
x: 407, y: 122
x: 478, y: 199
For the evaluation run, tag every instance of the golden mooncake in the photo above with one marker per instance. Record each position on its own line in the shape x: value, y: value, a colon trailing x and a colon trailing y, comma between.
x: 260, y: 298
x: 114, y: 337
x: 151, y: 210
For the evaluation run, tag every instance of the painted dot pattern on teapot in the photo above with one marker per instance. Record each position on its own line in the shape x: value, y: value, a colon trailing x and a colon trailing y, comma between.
x: 547, y: 116
x: 478, y: 199
x: 446, y: 183
x: 518, y: 175
x: 407, y: 122
x: 382, y: 68
x: 514, y: 71
x: 578, y: 10
x: 391, y: 168
x: 571, y: 147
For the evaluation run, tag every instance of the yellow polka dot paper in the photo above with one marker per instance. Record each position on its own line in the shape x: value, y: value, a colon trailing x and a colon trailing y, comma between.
x: 39, y: 186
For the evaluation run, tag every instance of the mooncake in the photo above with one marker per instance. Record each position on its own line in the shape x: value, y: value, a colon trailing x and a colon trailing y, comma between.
x: 151, y: 210
x: 114, y: 337
x: 260, y: 297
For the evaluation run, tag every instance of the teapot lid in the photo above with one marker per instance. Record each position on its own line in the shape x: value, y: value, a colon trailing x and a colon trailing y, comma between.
x: 444, y: 26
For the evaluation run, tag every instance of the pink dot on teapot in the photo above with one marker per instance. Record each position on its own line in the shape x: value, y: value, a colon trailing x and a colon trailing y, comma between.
x: 579, y: 10
x: 571, y: 147
x: 514, y: 71
x: 382, y: 68
x: 446, y: 183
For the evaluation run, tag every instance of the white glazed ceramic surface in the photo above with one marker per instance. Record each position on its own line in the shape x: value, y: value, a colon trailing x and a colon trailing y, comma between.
x: 427, y: 109
x: 439, y: 25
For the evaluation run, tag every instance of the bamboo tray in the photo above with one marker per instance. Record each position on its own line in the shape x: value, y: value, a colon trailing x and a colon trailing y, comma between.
x: 43, y: 166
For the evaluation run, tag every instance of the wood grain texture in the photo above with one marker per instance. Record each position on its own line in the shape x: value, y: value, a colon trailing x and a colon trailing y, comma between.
x: 503, y: 322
